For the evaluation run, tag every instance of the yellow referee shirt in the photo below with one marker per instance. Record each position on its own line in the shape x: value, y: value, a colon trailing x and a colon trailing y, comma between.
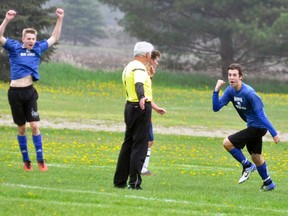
x: 135, y: 72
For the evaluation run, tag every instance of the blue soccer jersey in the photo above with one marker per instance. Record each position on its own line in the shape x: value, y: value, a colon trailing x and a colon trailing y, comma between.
x: 248, y: 104
x: 24, y: 62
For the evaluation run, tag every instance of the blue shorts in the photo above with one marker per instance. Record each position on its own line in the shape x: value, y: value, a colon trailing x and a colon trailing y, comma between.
x: 151, y: 134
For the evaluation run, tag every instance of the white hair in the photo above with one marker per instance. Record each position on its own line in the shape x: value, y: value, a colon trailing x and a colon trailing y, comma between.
x: 143, y: 47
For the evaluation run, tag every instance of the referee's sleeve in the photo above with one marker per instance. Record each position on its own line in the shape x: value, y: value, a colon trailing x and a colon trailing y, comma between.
x: 139, y: 90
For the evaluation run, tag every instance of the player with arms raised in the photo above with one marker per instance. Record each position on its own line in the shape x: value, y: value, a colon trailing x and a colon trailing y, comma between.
x: 24, y: 60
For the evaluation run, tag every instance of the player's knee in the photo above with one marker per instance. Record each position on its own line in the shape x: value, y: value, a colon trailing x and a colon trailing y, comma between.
x: 34, y: 129
x: 227, y: 144
x: 257, y: 159
x: 22, y: 130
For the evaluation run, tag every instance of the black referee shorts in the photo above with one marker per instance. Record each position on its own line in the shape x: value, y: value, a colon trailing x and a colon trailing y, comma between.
x: 23, y: 104
x: 251, y: 137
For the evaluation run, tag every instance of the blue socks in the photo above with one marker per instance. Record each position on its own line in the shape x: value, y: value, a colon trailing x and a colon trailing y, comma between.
x: 37, y: 140
x: 240, y: 157
x: 22, y: 140
x: 263, y: 172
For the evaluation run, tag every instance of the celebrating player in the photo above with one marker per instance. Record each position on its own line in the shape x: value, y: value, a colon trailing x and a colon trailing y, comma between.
x: 24, y: 62
x: 250, y: 108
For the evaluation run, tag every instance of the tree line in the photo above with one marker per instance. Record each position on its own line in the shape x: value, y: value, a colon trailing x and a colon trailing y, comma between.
x: 211, y: 34
x: 82, y: 23
x: 192, y: 34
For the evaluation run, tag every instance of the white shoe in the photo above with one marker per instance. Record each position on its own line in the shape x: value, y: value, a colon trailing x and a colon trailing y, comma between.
x: 246, y: 173
x: 148, y: 173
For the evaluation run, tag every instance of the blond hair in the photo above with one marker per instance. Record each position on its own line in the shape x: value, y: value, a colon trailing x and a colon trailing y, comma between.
x: 29, y: 31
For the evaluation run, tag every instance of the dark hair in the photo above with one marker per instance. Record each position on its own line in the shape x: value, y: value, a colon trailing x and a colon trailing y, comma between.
x: 154, y: 54
x: 236, y: 66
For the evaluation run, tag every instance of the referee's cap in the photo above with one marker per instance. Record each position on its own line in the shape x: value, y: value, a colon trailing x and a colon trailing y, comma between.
x: 143, y: 47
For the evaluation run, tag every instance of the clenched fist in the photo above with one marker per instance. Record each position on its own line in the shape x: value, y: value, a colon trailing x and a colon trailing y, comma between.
x: 219, y: 84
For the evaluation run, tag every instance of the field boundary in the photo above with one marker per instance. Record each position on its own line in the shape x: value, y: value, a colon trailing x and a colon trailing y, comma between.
x: 101, y: 125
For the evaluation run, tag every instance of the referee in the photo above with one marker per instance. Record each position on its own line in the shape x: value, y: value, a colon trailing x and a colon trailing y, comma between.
x: 137, y: 115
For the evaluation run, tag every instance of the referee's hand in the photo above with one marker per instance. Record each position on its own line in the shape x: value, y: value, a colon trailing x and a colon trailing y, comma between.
x: 142, y: 103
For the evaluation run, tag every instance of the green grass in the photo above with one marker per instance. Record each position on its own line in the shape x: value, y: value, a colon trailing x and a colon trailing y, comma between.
x: 74, y: 94
x: 66, y: 75
x: 195, y: 176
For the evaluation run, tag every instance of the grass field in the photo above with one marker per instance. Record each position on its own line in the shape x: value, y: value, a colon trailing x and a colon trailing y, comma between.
x: 195, y: 176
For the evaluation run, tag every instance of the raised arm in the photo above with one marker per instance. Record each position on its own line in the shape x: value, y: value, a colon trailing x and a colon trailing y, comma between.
x: 57, y: 29
x: 216, y: 104
x: 9, y: 16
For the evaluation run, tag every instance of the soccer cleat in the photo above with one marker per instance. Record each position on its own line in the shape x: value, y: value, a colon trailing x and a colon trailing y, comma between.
x: 27, y: 166
x: 148, y: 173
x: 119, y: 185
x: 269, y: 187
x: 138, y: 187
x: 42, y: 166
x: 246, y: 173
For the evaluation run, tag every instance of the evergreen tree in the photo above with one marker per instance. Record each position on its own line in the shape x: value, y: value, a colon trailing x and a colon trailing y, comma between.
x: 30, y: 13
x: 216, y: 33
x: 83, y: 21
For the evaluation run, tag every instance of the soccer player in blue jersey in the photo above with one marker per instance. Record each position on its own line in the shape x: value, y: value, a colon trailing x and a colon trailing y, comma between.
x: 249, y: 106
x: 155, y: 55
x: 24, y: 60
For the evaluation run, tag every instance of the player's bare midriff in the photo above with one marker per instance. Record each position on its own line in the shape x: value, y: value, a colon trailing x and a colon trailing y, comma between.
x: 22, y: 82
